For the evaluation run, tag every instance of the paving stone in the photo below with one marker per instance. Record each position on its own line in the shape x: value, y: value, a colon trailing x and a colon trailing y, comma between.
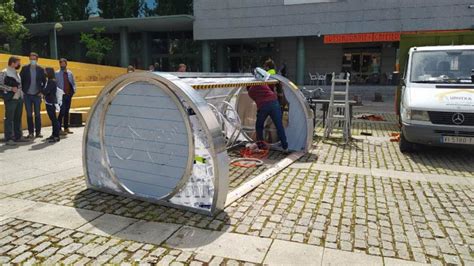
x: 107, y: 225
x: 336, y: 257
x: 70, y: 248
x: 22, y: 257
x: 203, y: 257
x: 148, y: 232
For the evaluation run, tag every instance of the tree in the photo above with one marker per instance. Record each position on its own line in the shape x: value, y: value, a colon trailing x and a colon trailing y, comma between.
x: 36, y: 11
x: 12, y: 28
x: 169, y: 7
x: 120, y: 8
x: 97, y: 45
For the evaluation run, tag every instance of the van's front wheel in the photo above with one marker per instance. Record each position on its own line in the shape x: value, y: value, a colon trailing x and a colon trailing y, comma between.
x: 405, y: 145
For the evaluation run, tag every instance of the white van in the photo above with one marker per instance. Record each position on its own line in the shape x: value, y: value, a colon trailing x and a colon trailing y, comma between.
x: 437, y: 100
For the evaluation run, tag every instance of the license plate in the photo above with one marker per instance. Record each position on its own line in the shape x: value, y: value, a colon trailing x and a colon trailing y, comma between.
x: 457, y: 140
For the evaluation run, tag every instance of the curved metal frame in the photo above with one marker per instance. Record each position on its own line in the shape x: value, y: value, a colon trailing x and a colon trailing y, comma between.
x: 181, y: 92
x: 210, y: 126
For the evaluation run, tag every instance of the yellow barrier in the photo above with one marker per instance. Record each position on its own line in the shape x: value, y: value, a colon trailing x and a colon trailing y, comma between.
x: 81, y: 71
x: 90, y: 80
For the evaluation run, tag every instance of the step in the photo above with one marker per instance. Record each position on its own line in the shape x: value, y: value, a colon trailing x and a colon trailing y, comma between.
x: 339, y: 93
x: 88, y: 91
x: 79, y: 101
x: 45, y: 122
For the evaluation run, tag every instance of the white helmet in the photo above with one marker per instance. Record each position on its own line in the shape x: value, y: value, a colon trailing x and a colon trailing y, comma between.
x: 261, y: 74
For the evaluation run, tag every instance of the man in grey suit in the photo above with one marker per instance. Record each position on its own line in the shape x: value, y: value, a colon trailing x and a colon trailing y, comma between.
x: 33, y: 80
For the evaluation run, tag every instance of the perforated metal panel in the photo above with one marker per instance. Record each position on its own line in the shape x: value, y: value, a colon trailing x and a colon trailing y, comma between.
x: 146, y: 140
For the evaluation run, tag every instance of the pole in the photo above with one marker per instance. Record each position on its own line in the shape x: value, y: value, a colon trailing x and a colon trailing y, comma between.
x: 206, y: 57
x: 300, y: 61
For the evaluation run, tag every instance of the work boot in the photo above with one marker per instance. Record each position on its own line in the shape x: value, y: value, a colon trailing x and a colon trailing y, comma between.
x: 68, y: 131
x: 38, y: 135
x: 62, y: 133
x: 30, y: 136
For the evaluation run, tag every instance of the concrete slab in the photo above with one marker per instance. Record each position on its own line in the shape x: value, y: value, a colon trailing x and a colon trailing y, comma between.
x: 397, y: 262
x: 222, y: 244
x: 291, y: 253
x: 107, y: 225
x: 190, y: 238
x: 340, y: 258
x: 301, y: 165
x: 398, y: 174
x: 341, y: 169
x: 61, y: 216
x: 9, y: 206
x: 40, y: 181
x: 148, y: 232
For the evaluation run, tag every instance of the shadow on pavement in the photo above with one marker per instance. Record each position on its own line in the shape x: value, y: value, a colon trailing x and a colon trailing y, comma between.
x: 41, y: 145
x: 196, y: 230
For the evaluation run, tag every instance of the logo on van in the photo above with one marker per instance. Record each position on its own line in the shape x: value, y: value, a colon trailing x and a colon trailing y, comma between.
x: 458, y: 118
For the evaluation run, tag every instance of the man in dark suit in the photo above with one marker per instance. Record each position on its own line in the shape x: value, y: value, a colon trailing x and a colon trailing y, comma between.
x: 33, y: 80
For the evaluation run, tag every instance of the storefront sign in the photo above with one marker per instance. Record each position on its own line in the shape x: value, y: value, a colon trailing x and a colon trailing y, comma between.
x: 363, y: 37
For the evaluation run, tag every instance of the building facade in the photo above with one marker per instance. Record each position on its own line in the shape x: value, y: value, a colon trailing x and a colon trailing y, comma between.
x: 322, y: 36
x: 303, y: 36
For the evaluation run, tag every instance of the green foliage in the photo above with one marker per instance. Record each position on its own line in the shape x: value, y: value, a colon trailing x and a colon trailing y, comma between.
x: 120, y: 8
x: 11, y: 25
x: 97, y: 45
x: 36, y: 11
x: 170, y: 7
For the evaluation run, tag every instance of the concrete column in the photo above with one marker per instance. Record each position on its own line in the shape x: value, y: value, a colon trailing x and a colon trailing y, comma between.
x: 220, y: 57
x: 146, y: 50
x: 77, y: 48
x: 53, y: 44
x: 206, y: 56
x: 124, y: 58
x: 300, y: 61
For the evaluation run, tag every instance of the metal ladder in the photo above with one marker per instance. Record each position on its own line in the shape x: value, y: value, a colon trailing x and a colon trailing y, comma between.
x: 339, y: 112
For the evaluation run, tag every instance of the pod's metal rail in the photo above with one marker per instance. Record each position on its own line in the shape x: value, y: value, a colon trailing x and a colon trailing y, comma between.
x: 164, y: 137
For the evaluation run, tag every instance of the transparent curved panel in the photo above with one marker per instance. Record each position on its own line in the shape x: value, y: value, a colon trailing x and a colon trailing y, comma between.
x: 146, y: 140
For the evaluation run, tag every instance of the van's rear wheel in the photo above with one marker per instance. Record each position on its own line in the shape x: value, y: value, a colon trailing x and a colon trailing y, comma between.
x: 405, y: 145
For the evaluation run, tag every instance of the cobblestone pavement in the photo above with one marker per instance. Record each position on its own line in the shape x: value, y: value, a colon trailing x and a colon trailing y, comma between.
x: 389, y: 217
x: 24, y: 242
x: 377, y: 151
x: 425, y: 222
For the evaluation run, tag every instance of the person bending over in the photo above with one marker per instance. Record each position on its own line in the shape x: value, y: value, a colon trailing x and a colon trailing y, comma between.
x: 268, y: 105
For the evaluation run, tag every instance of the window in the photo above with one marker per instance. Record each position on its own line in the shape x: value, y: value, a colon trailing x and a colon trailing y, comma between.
x: 299, y: 2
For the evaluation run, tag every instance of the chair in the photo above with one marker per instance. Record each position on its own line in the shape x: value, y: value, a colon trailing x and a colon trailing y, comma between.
x: 321, y: 78
x: 313, y: 78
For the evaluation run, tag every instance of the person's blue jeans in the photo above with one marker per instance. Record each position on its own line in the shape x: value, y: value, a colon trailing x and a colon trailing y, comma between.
x: 273, y: 110
x: 51, y: 109
x: 33, y: 103
x: 64, y: 113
